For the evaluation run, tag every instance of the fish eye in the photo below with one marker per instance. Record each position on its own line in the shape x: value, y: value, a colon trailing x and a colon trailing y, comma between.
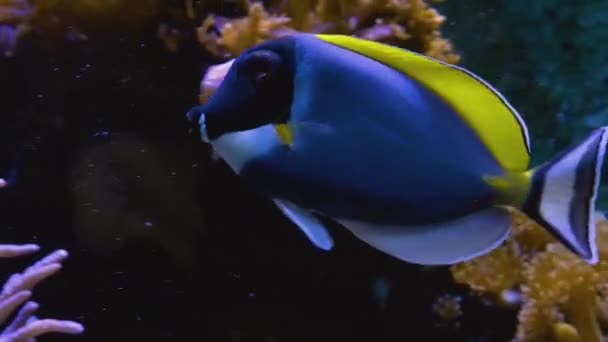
x: 259, y: 65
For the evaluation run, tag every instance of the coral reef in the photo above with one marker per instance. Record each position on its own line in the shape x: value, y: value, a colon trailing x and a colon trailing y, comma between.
x: 410, y: 24
x: 448, y: 307
x: 563, y: 297
x: 18, y: 289
x: 66, y: 19
x: 14, y: 18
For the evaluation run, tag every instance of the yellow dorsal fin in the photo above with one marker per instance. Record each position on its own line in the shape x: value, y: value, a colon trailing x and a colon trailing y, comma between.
x: 498, y: 125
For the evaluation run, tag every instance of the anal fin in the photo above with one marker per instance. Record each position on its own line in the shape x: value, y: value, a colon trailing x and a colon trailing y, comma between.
x: 308, y: 223
x: 442, y: 243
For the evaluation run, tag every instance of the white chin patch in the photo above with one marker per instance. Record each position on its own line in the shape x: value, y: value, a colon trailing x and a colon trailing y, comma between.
x: 203, y: 128
x: 238, y: 148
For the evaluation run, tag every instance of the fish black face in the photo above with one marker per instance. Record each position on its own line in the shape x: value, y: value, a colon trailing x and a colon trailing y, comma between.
x: 257, y: 90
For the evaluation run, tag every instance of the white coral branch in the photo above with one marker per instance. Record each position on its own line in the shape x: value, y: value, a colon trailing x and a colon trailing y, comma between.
x: 25, y: 327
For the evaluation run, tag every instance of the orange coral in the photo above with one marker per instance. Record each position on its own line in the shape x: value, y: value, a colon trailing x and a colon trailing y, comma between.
x: 448, y: 307
x: 411, y: 24
x: 239, y: 34
x: 563, y: 296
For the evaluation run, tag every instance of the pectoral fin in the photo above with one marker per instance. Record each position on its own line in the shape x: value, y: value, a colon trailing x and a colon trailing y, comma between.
x: 308, y: 223
x: 441, y: 243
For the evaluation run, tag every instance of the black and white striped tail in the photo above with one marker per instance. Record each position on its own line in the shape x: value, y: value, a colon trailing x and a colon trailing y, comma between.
x: 563, y: 192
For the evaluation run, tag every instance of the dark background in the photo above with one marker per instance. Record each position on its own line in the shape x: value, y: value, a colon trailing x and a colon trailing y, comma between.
x: 167, y: 244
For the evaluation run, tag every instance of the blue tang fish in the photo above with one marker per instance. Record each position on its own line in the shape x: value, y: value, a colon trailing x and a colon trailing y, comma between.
x: 418, y: 158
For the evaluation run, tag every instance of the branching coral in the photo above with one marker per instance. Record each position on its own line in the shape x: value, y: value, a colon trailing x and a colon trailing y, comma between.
x: 563, y: 296
x: 18, y: 289
x: 411, y: 24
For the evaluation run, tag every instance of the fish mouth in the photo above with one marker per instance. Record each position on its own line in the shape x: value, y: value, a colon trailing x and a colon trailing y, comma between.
x: 194, y: 114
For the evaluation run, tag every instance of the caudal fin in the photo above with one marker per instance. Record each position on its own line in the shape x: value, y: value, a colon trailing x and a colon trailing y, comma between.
x: 563, y: 191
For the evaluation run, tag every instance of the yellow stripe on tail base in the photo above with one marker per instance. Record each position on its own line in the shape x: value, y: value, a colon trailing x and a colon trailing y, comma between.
x: 285, y: 133
x: 511, y: 188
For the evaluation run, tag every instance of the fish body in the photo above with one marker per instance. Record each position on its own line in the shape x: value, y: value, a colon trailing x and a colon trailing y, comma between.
x: 402, y: 134
x: 416, y: 157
